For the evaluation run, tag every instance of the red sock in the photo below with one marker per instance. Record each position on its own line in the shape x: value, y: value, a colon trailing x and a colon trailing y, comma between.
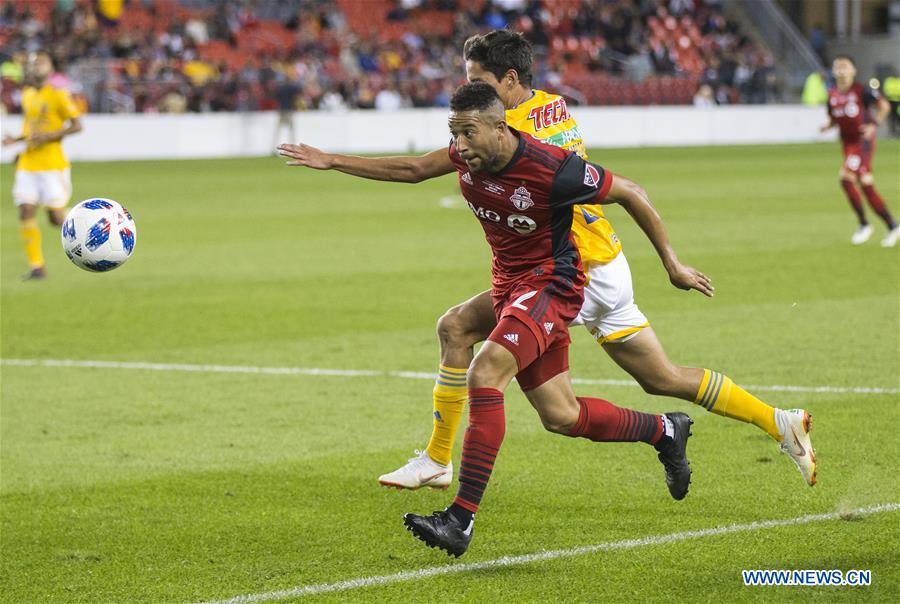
x: 878, y: 205
x: 855, y: 200
x: 487, y: 426
x: 601, y: 421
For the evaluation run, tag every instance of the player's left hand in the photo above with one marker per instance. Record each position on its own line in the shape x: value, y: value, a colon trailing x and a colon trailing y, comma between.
x: 868, y: 131
x: 304, y: 155
x: 688, y: 278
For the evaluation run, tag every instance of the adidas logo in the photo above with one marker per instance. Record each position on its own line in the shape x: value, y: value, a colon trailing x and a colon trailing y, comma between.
x: 548, y: 326
x: 513, y: 337
x: 467, y: 178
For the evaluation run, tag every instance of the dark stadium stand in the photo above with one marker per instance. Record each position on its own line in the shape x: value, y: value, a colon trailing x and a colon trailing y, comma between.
x: 195, y: 55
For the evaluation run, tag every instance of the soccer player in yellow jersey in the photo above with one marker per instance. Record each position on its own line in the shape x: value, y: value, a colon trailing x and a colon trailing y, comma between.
x: 503, y: 60
x: 42, y: 170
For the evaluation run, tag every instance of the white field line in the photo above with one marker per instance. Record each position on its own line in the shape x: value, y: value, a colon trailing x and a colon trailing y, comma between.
x: 315, y: 371
x: 424, y: 573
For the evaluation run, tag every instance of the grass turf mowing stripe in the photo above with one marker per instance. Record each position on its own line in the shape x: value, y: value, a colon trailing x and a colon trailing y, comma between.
x: 315, y: 371
x: 423, y: 573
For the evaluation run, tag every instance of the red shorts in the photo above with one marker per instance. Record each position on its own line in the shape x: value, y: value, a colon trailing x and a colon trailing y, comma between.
x: 858, y: 156
x: 532, y: 323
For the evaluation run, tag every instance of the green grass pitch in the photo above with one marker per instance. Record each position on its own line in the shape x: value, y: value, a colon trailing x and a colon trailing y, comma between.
x: 130, y: 485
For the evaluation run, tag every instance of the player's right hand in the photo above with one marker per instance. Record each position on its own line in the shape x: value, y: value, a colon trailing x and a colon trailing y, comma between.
x: 688, y: 278
x: 8, y: 140
x: 304, y: 155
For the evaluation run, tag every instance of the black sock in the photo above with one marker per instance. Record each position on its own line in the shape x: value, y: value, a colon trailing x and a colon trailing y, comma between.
x: 462, y: 515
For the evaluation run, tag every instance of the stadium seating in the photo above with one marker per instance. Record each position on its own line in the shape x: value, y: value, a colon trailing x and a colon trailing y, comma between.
x: 619, y: 54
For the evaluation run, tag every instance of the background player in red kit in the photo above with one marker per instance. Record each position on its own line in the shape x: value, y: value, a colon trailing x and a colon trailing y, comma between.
x: 522, y: 191
x: 849, y: 107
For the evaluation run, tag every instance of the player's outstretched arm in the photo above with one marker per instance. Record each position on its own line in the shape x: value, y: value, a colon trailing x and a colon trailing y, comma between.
x: 394, y: 169
x: 40, y: 138
x: 634, y: 199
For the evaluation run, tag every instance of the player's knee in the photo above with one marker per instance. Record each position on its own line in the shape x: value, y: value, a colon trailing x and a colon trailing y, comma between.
x: 453, y: 331
x: 482, y: 374
x: 57, y: 217
x: 867, y: 179
x: 26, y: 211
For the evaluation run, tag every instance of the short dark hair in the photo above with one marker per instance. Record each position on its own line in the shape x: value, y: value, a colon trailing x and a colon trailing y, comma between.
x: 475, y: 96
x: 844, y: 57
x: 499, y: 51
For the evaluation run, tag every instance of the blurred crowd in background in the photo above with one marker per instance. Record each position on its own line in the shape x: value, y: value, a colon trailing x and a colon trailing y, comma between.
x: 246, y: 55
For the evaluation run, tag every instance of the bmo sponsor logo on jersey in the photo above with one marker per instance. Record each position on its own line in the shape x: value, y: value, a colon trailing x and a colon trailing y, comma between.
x: 591, y: 176
x: 484, y: 214
x: 523, y: 225
x: 845, y: 106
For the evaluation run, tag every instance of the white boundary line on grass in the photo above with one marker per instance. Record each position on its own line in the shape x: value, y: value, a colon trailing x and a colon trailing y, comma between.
x: 315, y: 371
x: 423, y: 573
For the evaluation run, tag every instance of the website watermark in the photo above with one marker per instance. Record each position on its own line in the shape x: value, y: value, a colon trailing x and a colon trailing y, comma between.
x: 807, y: 577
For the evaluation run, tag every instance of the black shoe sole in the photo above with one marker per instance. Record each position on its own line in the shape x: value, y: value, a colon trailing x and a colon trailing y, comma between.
x: 426, y: 539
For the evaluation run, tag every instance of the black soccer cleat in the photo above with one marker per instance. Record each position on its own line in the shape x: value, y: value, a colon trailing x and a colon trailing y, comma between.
x: 442, y: 530
x: 673, y: 456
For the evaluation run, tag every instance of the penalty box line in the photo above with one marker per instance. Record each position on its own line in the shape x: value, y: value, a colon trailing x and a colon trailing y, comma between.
x: 505, y: 561
x: 316, y: 371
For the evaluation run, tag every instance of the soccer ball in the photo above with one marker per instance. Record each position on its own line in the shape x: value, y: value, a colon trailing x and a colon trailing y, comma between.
x: 98, y: 235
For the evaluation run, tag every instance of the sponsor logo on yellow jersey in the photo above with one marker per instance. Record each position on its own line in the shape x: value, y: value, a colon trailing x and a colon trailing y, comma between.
x: 546, y: 116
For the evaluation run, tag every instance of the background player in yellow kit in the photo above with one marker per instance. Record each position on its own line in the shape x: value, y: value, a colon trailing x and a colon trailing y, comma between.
x: 503, y: 59
x: 42, y: 170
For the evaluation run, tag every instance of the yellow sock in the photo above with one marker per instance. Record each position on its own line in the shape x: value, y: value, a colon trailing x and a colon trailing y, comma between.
x: 31, y: 239
x: 450, y: 394
x: 723, y: 397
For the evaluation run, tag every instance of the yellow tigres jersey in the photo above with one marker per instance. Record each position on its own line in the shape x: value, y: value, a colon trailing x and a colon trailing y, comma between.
x: 545, y: 116
x: 46, y: 110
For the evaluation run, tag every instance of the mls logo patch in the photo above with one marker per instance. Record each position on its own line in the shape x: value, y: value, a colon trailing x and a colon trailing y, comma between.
x: 521, y: 198
x: 467, y: 178
x: 548, y: 327
x: 591, y: 176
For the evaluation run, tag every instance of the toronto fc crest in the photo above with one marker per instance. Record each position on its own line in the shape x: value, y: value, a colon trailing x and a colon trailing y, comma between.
x: 521, y: 198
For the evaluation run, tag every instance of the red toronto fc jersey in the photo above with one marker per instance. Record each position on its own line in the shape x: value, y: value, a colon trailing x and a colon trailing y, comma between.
x: 851, y: 109
x: 525, y: 210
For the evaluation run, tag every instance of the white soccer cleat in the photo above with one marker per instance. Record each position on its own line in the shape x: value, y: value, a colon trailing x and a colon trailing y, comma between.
x: 861, y: 235
x: 420, y: 471
x: 794, y: 425
x: 890, y: 240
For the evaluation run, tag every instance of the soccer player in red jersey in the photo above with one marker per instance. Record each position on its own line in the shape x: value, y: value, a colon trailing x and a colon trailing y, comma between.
x: 537, y: 290
x: 850, y: 106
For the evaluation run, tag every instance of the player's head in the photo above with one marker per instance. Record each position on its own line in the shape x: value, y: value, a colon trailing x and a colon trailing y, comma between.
x: 39, y: 66
x: 501, y: 58
x: 844, y: 69
x: 477, y: 123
